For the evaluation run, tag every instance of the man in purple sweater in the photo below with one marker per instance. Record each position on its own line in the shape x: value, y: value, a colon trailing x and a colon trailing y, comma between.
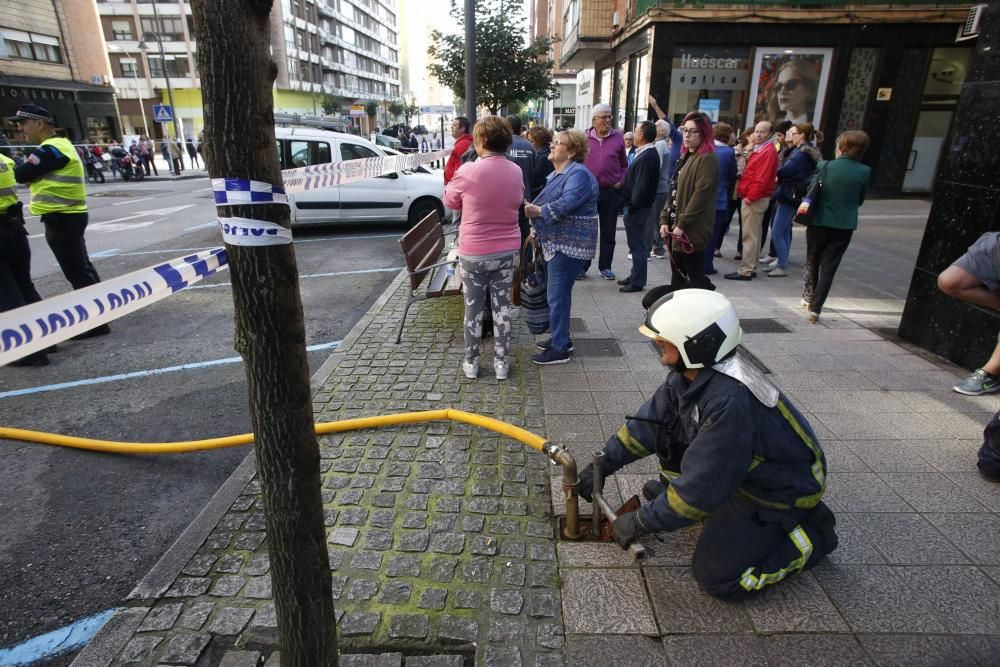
x: 608, y: 163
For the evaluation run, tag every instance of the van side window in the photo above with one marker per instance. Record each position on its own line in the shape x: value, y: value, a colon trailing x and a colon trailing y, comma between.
x: 355, y: 151
x: 305, y: 153
x: 321, y: 152
x: 280, y: 145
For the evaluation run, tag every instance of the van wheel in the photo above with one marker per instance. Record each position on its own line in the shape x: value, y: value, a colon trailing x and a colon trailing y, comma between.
x: 422, y: 208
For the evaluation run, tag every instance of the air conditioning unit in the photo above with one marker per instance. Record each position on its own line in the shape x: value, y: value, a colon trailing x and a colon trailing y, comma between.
x: 970, y: 29
x: 616, y: 20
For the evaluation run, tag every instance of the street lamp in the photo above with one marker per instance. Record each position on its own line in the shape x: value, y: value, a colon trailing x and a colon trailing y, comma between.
x: 166, y: 74
x: 135, y: 77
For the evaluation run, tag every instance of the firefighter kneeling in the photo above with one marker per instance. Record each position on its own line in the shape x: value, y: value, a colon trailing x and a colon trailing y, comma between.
x: 734, y: 454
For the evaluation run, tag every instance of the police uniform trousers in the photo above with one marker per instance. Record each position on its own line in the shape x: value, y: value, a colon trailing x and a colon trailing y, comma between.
x: 745, y: 548
x: 16, y: 288
x: 64, y: 234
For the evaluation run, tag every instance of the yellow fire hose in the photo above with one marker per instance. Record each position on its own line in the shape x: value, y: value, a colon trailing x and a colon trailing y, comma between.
x: 557, y: 453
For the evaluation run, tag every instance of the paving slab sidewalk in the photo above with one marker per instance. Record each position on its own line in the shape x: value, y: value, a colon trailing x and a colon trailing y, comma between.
x: 441, y: 536
x: 915, y: 579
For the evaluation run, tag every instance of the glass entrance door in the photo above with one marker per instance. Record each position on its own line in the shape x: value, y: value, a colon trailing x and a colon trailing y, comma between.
x: 925, y: 151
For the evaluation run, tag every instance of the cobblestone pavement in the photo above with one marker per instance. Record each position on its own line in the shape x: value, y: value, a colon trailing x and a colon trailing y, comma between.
x: 440, y: 534
x: 441, y: 539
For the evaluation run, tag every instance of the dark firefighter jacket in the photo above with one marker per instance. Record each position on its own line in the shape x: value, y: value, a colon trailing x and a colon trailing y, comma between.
x: 714, y: 440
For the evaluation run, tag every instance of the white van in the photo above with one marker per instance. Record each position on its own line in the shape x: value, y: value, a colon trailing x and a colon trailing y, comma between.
x: 404, y: 196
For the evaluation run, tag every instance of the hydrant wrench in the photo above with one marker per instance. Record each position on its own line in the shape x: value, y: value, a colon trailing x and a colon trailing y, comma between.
x: 636, y: 550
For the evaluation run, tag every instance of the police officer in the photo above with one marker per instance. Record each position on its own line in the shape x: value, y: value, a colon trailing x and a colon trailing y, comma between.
x: 734, y: 453
x: 55, y: 175
x: 16, y: 288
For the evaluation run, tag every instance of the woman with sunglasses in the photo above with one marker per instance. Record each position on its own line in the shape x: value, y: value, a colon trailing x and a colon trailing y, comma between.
x: 689, y: 216
x: 794, y: 92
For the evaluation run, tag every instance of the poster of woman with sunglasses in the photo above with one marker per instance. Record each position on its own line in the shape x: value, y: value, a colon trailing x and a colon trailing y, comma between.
x: 789, y: 84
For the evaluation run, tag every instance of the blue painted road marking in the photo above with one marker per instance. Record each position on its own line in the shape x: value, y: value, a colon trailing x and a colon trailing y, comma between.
x: 56, y: 642
x: 147, y: 373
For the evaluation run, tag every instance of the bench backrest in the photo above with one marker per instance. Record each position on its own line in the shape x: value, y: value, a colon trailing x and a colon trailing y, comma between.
x: 422, y: 246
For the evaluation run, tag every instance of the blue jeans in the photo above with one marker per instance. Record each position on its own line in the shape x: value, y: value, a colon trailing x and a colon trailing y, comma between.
x: 638, y: 243
x: 562, y: 272
x: 722, y: 217
x: 781, y: 232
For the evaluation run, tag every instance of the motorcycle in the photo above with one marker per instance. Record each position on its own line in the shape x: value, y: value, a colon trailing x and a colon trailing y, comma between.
x: 95, y: 168
x: 128, y: 166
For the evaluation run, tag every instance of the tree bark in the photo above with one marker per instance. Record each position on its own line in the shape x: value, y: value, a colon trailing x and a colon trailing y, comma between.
x: 236, y: 78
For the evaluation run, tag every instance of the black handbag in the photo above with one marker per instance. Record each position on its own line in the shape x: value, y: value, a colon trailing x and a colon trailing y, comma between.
x: 531, y: 287
x: 806, y: 215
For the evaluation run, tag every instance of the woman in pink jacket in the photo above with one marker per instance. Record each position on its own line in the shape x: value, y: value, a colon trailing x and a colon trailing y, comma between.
x: 489, y: 192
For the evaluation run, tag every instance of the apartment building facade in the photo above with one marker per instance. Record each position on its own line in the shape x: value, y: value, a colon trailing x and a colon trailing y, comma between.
x: 544, y: 21
x: 51, y: 54
x: 345, y: 48
x: 892, y: 69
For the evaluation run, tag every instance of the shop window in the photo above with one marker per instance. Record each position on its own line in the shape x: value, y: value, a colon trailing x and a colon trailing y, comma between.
x: 618, y: 104
x: 713, y: 80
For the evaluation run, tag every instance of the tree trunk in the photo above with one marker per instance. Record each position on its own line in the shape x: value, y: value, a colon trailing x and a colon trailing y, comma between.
x: 236, y: 78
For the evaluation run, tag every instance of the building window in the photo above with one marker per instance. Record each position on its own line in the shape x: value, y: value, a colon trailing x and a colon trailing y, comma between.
x: 169, y: 30
x: 176, y: 66
x: 128, y: 67
x: 30, y: 46
x: 121, y: 30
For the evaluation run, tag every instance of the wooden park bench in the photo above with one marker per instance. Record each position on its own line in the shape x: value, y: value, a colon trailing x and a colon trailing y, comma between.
x: 422, y: 247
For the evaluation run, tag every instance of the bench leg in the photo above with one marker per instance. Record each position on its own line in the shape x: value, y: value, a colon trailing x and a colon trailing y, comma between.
x: 402, y: 321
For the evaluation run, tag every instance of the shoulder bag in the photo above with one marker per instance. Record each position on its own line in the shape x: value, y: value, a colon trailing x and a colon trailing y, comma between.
x: 806, y: 215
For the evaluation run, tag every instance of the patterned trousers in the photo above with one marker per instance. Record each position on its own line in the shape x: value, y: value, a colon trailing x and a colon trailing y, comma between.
x: 482, y: 280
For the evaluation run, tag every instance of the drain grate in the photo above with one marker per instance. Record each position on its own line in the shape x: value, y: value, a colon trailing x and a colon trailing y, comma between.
x: 763, y: 325
x: 596, y: 347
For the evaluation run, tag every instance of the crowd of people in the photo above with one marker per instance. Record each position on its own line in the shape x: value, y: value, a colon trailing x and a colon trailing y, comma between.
x: 678, y: 187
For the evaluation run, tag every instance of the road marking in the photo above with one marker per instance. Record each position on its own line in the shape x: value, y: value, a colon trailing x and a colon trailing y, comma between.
x: 203, y: 189
x: 132, y: 201
x: 313, y: 275
x: 141, y: 214
x: 173, y: 250
x: 56, y: 642
x: 202, y: 226
x: 105, y: 253
x: 141, y: 374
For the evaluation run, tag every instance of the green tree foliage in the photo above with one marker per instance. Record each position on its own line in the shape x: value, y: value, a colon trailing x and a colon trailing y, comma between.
x: 507, y: 69
x: 371, y: 108
x: 396, y: 108
x: 331, y: 104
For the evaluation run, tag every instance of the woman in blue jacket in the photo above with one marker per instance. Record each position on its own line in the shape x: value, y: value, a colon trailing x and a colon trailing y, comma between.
x: 793, y: 180
x: 723, y: 133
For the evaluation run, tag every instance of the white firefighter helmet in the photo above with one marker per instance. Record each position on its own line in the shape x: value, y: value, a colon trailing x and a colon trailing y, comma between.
x: 701, y: 324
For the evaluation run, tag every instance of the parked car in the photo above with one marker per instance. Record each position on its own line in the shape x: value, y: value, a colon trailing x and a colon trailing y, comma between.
x: 387, y: 141
x: 403, y: 196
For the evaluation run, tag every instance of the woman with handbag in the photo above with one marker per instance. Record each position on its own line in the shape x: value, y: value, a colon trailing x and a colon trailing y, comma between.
x: 488, y: 192
x: 689, y: 216
x: 564, y: 219
x: 834, y: 217
x: 793, y: 179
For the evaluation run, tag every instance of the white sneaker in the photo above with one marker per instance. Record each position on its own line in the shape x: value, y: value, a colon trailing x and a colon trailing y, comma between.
x: 773, y: 263
x: 804, y: 304
x: 502, y: 368
x: 629, y: 256
x: 471, y: 369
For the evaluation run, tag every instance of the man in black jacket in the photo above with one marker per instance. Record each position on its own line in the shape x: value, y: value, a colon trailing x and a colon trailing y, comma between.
x: 639, y: 192
x: 522, y: 153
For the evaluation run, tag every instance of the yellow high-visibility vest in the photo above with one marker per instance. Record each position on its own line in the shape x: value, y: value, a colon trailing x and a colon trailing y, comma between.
x: 62, y: 190
x: 8, y: 186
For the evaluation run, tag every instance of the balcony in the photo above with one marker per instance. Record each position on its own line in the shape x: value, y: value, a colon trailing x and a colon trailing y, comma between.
x: 325, y: 10
x: 590, y: 37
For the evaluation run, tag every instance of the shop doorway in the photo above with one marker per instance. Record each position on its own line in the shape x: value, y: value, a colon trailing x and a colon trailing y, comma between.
x: 943, y: 85
x: 926, y: 149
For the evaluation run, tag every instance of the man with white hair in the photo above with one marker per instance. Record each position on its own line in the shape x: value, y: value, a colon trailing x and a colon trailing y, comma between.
x: 606, y: 160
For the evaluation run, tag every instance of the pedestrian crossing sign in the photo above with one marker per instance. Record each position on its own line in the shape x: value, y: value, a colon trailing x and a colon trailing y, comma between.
x: 162, y: 113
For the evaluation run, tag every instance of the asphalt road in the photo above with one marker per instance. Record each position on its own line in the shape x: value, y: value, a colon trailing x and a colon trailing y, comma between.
x: 81, y: 529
